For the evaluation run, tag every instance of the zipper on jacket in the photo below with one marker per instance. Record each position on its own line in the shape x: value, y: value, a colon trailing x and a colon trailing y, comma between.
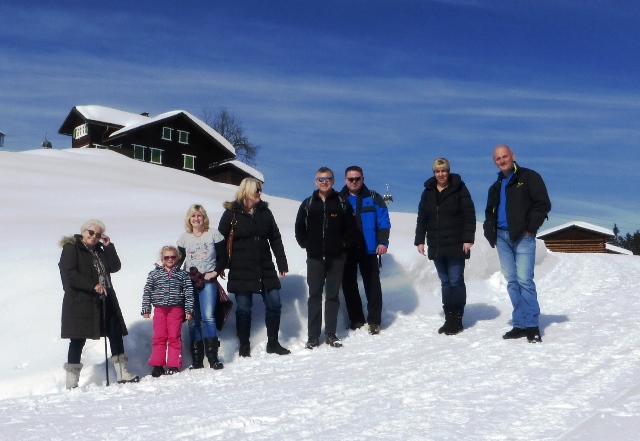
x: 325, y: 225
x: 437, y: 229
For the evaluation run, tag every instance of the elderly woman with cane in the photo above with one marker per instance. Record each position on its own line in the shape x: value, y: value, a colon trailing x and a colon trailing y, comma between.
x: 90, y: 307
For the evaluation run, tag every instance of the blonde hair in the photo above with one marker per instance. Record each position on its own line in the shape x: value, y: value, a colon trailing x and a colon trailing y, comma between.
x: 192, y: 209
x: 166, y: 248
x: 248, y: 187
x: 441, y: 163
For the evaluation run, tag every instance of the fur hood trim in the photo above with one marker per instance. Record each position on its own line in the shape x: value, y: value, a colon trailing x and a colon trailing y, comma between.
x: 66, y: 240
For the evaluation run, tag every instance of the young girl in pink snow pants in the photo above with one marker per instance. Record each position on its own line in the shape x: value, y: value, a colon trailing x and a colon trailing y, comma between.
x: 169, y: 290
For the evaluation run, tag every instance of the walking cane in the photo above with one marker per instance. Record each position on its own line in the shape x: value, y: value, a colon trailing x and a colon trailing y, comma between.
x: 104, y: 323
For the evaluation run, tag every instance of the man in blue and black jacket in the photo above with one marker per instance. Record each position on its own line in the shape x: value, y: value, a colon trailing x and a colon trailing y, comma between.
x: 517, y: 205
x: 372, y: 242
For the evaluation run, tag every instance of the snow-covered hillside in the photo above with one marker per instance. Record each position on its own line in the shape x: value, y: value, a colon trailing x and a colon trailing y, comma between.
x: 408, y: 383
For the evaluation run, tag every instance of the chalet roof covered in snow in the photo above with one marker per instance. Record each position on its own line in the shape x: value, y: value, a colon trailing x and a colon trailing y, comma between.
x: 578, y: 224
x: 111, y: 116
x: 147, y: 120
x: 247, y: 168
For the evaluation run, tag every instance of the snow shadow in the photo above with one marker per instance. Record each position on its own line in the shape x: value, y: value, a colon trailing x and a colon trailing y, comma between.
x: 398, y: 293
x: 138, y: 346
x: 293, y: 296
x: 546, y: 320
x: 476, y: 312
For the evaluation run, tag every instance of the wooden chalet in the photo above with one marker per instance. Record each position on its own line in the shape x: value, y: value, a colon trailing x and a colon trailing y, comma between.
x: 175, y: 139
x: 579, y: 237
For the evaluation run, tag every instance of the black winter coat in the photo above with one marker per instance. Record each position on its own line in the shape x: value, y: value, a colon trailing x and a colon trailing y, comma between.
x: 528, y: 204
x: 447, y: 218
x: 326, y: 228
x: 81, y: 306
x: 251, y: 268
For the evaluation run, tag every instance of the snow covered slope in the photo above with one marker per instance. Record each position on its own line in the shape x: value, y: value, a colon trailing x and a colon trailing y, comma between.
x: 408, y: 383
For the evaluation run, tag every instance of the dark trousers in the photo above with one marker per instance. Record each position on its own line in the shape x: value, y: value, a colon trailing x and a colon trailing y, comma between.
x: 319, y: 272
x: 114, y: 332
x: 370, y: 272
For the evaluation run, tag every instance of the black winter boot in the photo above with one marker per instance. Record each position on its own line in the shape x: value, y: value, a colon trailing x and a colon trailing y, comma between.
x: 453, y: 321
x: 211, y: 346
x: 197, y: 355
x: 272, y: 322
x: 533, y: 335
x: 448, y: 322
x: 243, y: 328
x: 515, y: 333
x: 457, y: 322
x: 274, y: 347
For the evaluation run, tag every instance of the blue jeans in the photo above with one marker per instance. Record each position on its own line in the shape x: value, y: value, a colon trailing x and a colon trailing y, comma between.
x: 517, y: 260
x: 244, y: 302
x: 451, y: 274
x: 203, y: 324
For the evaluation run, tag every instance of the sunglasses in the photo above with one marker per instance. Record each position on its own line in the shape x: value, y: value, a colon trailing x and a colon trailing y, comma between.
x: 169, y: 257
x: 356, y: 179
x: 93, y: 233
x: 324, y: 179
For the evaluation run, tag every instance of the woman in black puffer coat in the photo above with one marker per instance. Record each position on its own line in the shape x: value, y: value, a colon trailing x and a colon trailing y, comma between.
x: 251, y: 268
x: 447, y: 217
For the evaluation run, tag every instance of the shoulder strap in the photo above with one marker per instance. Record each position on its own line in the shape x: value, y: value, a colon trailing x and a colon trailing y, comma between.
x: 343, y: 203
x: 307, y: 204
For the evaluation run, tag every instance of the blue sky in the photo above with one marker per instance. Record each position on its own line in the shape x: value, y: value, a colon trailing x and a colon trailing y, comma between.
x: 388, y: 85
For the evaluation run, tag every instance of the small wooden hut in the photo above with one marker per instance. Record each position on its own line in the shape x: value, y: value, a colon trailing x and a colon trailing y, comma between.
x: 576, y: 237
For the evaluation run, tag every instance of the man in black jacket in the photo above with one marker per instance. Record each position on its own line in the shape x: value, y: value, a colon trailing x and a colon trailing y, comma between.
x: 517, y: 205
x: 325, y: 227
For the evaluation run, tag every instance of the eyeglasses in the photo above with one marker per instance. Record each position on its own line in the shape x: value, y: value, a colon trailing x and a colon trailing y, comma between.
x: 259, y: 190
x: 169, y: 257
x: 356, y: 179
x: 92, y: 233
x: 324, y: 179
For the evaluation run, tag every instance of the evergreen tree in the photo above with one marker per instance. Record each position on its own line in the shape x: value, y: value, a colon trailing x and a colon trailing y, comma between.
x: 629, y: 242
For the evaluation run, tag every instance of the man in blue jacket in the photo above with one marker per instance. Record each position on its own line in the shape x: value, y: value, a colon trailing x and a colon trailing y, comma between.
x: 372, y: 241
x: 517, y: 206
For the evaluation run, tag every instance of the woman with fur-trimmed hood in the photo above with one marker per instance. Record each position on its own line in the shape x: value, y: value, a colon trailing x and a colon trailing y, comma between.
x: 251, y: 268
x: 86, y: 264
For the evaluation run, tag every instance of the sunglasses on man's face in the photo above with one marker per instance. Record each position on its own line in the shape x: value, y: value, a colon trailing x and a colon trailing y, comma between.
x: 324, y: 179
x: 356, y: 179
x: 93, y: 233
x: 169, y: 257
